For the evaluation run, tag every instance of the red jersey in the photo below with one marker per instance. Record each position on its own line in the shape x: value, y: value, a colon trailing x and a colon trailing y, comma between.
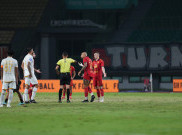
x: 146, y: 81
x: 72, y: 70
x: 97, y: 65
x: 89, y: 68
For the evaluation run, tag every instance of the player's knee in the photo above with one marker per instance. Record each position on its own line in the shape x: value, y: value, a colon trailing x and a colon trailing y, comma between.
x: 27, y: 86
x: 36, y: 85
x: 26, y: 91
x: 10, y: 91
x: 34, y: 90
x: 3, y: 92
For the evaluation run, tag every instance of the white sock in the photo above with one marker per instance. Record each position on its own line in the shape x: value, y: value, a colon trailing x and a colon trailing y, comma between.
x: 34, y: 93
x: 10, y: 98
x: 92, y: 93
x: 86, y: 98
x: 26, y: 94
x: 2, y: 97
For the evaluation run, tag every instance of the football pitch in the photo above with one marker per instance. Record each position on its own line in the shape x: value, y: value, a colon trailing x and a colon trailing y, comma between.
x: 120, y: 114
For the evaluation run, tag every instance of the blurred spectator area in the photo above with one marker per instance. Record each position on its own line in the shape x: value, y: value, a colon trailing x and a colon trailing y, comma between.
x: 21, y: 13
x: 6, y: 37
x: 163, y: 23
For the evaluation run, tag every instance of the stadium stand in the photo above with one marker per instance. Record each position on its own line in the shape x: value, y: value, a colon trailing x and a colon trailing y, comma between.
x: 160, y: 25
x: 21, y: 14
x: 6, y: 37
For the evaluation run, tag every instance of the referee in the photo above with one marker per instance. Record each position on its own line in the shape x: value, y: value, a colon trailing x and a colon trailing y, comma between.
x: 65, y: 77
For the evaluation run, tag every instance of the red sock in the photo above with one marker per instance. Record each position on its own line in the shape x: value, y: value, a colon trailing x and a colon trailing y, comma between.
x: 86, y: 92
x: 89, y: 90
x: 102, y: 92
x: 64, y: 93
x: 30, y: 93
x: 98, y: 92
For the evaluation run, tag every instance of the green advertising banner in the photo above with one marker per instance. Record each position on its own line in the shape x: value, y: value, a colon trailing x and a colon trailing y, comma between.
x: 100, y: 4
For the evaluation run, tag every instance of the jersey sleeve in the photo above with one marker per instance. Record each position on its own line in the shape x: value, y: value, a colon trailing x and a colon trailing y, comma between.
x: 59, y: 63
x: 72, y: 60
x: 102, y: 63
x: 16, y: 63
x: 30, y: 59
x: 84, y: 61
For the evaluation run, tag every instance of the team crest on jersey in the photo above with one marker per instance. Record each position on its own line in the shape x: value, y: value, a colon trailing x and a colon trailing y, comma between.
x: 30, y: 59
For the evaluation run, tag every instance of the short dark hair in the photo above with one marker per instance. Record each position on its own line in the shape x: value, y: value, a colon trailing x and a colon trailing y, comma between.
x: 29, y: 49
x: 10, y: 52
x: 65, y: 54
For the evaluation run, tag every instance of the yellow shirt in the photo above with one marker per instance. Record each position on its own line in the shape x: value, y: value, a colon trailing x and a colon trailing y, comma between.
x: 65, y: 65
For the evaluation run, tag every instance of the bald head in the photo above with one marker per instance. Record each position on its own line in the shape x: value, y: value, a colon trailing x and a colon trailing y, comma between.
x: 83, y: 55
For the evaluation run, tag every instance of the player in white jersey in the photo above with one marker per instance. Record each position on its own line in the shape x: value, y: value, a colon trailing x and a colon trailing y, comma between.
x: 9, y: 77
x: 29, y: 75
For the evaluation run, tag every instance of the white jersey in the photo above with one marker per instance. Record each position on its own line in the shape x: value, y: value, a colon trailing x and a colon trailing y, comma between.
x: 28, y: 59
x: 8, y: 64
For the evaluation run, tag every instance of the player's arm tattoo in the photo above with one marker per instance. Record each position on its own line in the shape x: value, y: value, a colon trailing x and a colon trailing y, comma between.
x: 84, y: 67
x: 57, y: 70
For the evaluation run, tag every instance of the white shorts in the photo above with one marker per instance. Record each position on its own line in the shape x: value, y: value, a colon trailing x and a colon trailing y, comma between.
x: 32, y: 80
x: 11, y: 85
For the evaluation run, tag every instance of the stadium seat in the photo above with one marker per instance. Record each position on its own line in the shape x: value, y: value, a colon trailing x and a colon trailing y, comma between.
x: 160, y: 25
x: 6, y: 37
x: 21, y: 14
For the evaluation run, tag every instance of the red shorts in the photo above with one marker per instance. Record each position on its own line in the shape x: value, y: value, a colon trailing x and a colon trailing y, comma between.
x: 88, y: 76
x: 97, y: 81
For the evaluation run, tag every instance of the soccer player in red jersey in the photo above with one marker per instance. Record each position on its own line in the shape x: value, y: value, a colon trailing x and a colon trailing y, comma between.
x: 88, y: 75
x: 99, y: 70
x: 73, y: 74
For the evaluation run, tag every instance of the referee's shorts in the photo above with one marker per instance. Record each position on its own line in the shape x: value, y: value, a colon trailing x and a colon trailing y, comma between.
x: 65, y: 79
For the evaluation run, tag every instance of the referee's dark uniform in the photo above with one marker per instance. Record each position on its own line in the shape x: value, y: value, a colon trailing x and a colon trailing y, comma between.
x: 65, y: 77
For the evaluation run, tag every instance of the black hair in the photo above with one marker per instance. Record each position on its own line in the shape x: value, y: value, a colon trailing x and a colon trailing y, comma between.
x: 29, y: 49
x: 10, y: 52
x: 65, y: 54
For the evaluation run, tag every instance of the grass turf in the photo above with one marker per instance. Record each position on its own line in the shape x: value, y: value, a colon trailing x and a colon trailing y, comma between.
x: 120, y: 114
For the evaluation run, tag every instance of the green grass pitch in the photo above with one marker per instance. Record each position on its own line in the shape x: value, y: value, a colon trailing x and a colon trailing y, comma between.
x: 120, y: 114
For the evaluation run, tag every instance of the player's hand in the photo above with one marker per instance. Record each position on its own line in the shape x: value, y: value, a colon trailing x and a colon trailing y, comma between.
x: 38, y: 71
x: 80, y: 64
x: 105, y: 75
x: 79, y: 73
